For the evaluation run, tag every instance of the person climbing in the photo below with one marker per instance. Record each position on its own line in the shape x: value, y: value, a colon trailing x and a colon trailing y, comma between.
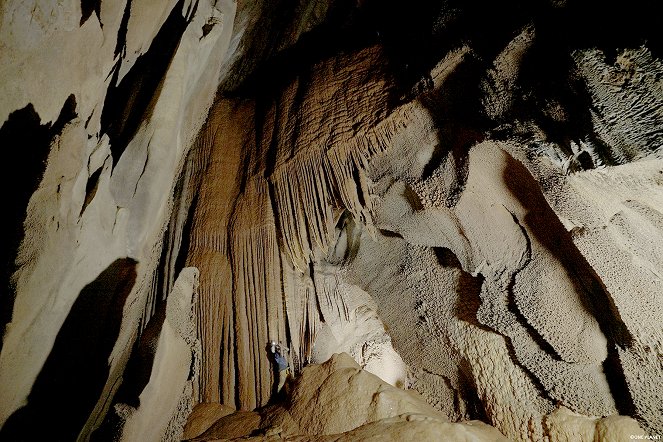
x: 280, y: 364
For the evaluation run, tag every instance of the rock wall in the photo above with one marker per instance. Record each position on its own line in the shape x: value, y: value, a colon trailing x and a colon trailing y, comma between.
x: 101, y: 103
x: 137, y: 80
x: 460, y: 206
x: 354, y: 405
x: 464, y: 197
x: 351, y: 404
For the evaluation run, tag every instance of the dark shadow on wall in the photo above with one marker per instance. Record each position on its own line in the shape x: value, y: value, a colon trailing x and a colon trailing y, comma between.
x: 456, y: 111
x: 549, y: 93
x: 469, y: 392
x: 546, y: 227
x: 26, y: 143
x: 88, y: 7
x: 265, y: 70
x: 136, y: 376
x: 75, y: 372
x: 468, y: 287
x: 130, y: 101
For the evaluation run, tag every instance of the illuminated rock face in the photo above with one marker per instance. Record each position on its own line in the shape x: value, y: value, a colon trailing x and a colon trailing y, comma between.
x: 466, y: 199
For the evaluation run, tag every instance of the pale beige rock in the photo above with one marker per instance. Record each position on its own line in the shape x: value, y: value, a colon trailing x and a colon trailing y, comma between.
x: 413, y: 427
x: 347, y: 397
x: 163, y: 411
x: 336, y: 198
x: 235, y: 425
x: 202, y: 417
x: 405, y: 428
x: 564, y: 425
x: 618, y: 428
x: 69, y: 241
x: 339, y: 399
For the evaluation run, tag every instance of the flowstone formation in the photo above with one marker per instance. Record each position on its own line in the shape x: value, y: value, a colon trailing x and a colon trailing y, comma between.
x: 458, y: 199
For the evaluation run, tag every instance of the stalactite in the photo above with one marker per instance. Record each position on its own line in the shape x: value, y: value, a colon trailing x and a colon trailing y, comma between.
x: 255, y: 279
x: 333, y: 302
x: 312, y: 183
x: 303, y: 314
x: 257, y: 291
x: 216, y: 164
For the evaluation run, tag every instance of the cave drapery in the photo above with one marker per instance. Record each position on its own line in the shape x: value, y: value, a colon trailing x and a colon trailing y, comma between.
x: 464, y: 197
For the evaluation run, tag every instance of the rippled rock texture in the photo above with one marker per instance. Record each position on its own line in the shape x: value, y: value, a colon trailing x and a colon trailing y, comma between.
x: 464, y: 197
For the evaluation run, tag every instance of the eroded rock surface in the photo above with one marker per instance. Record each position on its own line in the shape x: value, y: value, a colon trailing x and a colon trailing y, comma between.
x: 464, y: 197
x: 339, y: 399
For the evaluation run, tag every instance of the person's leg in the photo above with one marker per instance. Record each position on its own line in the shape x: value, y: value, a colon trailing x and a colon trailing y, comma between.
x: 283, y: 374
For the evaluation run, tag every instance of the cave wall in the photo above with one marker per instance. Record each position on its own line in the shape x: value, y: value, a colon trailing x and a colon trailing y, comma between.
x: 458, y: 199
x: 464, y: 198
x: 140, y: 77
x: 101, y: 103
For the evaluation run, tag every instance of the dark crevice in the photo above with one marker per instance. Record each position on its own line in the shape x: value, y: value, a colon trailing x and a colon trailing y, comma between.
x: 321, y: 318
x: 533, y: 333
x: 247, y: 162
x: 235, y: 355
x: 207, y: 28
x: 297, y: 104
x: 456, y: 110
x: 264, y: 108
x: 536, y: 382
x: 277, y: 219
x: 26, y: 145
x: 87, y: 8
x: 512, y: 305
x: 614, y: 373
x: 469, y: 392
x: 142, y: 172
x: 345, y: 245
x: 129, y: 104
x: 67, y: 114
x: 87, y: 122
x: 447, y: 258
x: 163, y: 277
x: 412, y: 198
x: 121, y: 43
x: 269, y: 117
x: 544, y: 224
x: 77, y: 369
x: 456, y: 393
x: 135, y: 377
x: 468, y: 299
x: 91, y: 189
x: 137, y: 374
x: 467, y: 307
x: 360, y: 189
x: 390, y: 234
x: 296, y: 363
x: 234, y: 313
x: 181, y: 259
x: 22, y: 128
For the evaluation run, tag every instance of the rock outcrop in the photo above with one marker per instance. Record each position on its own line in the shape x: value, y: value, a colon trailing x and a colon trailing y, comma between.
x: 464, y: 197
x: 339, y: 399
